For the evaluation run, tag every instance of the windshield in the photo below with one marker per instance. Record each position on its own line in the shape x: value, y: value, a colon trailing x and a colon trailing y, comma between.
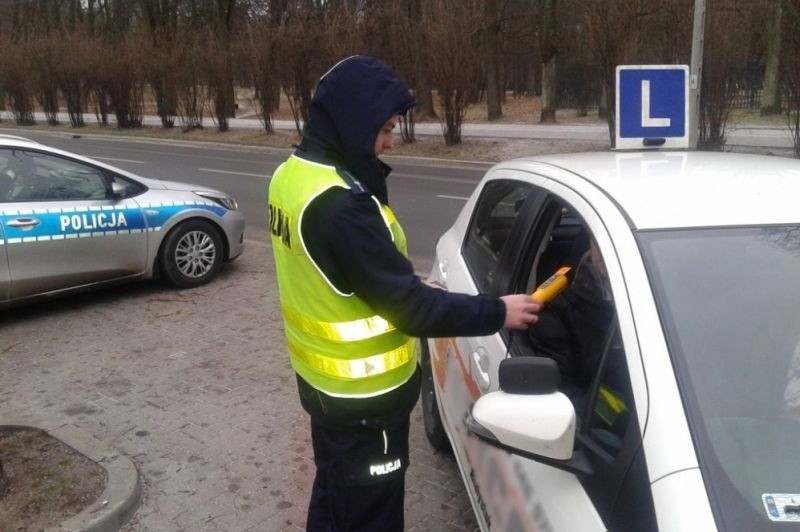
x: 730, y: 303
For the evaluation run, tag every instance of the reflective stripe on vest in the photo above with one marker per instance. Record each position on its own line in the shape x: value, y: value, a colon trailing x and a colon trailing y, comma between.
x: 345, y: 331
x: 357, y: 368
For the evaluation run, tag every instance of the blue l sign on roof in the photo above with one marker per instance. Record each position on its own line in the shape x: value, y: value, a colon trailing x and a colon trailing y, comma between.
x: 652, y: 106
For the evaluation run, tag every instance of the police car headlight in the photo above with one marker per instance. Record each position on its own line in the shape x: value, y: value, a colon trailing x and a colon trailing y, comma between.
x: 218, y: 197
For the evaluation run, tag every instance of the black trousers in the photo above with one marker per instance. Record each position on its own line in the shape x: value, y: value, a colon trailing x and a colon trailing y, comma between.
x: 360, y: 481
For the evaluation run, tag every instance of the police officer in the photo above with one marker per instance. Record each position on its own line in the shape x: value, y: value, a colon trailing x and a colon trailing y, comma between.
x: 351, y: 301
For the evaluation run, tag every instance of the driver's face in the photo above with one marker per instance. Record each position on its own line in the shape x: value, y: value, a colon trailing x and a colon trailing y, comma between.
x: 597, y: 260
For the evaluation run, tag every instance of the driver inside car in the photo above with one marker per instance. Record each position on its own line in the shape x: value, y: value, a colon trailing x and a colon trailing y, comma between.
x: 574, y: 328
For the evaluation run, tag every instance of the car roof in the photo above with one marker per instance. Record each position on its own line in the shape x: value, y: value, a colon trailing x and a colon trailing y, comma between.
x: 6, y: 139
x: 659, y: 190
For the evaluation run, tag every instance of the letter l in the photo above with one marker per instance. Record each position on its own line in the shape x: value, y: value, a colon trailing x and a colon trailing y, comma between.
x: 647, y: 120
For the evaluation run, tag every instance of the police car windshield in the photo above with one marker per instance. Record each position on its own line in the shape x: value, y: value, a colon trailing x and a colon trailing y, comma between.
x: 729, y: 300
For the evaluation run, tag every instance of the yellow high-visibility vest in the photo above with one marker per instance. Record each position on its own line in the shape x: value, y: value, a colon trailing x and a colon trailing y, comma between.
x: 336, y: 342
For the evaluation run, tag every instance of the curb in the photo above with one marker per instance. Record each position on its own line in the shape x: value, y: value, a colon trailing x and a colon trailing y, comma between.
x: 247, y: 148
x: 123, y: 492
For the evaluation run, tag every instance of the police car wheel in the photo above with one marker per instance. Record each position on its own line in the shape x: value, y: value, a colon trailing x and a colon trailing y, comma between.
x: 191, y: 254
x: 434, y: 429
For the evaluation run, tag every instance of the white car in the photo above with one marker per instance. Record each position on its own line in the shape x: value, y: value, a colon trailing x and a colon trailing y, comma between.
x: 70, y: 223
x: 690, y: 419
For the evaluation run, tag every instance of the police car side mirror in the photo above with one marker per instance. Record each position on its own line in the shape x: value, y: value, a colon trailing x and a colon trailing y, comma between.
x: 117, y: 190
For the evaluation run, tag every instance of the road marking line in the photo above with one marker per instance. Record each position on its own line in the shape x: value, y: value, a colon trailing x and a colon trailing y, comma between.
x: 228, y: 172
x: 455, y: 180
x: 116, y: 160
x: 444, y: 196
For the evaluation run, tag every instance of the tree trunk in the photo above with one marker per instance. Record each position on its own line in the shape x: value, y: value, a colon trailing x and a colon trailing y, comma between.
x: 549, y: 54
x: 549, y: 84
x: 423, y: 91
x: 771, y: 95
x: 491, y: 29
x: 602, y: 109
x: 424, y: 95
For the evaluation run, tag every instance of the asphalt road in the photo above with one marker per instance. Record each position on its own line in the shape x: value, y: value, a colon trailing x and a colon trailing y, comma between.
x: 426, y: 197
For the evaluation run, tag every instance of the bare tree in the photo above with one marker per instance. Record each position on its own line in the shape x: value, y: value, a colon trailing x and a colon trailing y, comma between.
x: 771, y: 95
x: 492, y: 24
x: 123, y: 80
x: 219, y: 80
x: 96, y: 81
x: 422, y: 84
x: 258, y: 52
x: 160, y: 19
x: 161, y: 70
x: 71, y: 75
x: 259, y: 55
x: 790, y: 63
x: 220, y: 75
x: 191, y: 91
x: 299, y: 60
x: 43, y: 56
x: 549, y: 49
x: 15, y: 82
x: 725, y: 53
x: 454, y: 33
x: 520, y: 48
x: 611, y: 35
x: 399, y: 49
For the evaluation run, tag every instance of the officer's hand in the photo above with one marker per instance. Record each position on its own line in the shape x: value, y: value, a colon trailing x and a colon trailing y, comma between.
x: 521, y: 311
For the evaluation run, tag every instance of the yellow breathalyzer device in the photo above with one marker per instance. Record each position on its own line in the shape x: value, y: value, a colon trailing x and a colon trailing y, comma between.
x: 553, y: 286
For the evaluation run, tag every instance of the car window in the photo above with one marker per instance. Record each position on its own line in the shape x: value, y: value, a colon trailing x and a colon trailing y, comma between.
x: 494, y: 216
x: 566, y: 241
x: 129, y: 186
x: 578, y: 329
x: 33, y: 176
x: 737, y: 364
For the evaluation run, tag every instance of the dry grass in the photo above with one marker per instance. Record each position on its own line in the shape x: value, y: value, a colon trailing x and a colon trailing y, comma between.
x: 46, y: 481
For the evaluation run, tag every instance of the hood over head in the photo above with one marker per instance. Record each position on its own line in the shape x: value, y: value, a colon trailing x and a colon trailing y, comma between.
x: 352, y: 102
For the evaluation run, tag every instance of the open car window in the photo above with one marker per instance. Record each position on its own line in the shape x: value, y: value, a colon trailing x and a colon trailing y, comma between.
x: 578, y: 329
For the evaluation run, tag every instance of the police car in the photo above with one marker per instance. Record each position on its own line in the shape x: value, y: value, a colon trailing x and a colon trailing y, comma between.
x: 691, y: 418
x: 68, y: 222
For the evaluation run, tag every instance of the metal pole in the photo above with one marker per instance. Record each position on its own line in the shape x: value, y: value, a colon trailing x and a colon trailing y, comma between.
x: 696, y: 71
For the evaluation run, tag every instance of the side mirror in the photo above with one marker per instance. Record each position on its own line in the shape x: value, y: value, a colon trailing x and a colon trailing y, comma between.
x: 537, y: 424
x: 528, y: 416
x: 117, y: 190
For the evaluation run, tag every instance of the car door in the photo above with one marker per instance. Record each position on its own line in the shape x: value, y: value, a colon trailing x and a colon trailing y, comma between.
x: 466, y: 367
x: 615, y: 494
x: 64, y: 227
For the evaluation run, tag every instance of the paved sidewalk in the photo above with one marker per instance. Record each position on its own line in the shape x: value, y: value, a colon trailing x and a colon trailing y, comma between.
x: 195, y: 387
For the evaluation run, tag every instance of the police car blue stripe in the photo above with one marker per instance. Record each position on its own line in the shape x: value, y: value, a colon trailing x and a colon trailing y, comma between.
x: 96, y: 221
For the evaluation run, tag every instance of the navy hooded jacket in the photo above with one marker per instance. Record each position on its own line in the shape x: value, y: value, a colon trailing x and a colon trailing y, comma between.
x: 352, y: 102
x: 345, y: 234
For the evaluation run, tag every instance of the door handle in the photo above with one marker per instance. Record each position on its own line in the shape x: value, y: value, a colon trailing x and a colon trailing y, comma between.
x: 443, y: 269
x: 480, y: 368
x: 24, y: 222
